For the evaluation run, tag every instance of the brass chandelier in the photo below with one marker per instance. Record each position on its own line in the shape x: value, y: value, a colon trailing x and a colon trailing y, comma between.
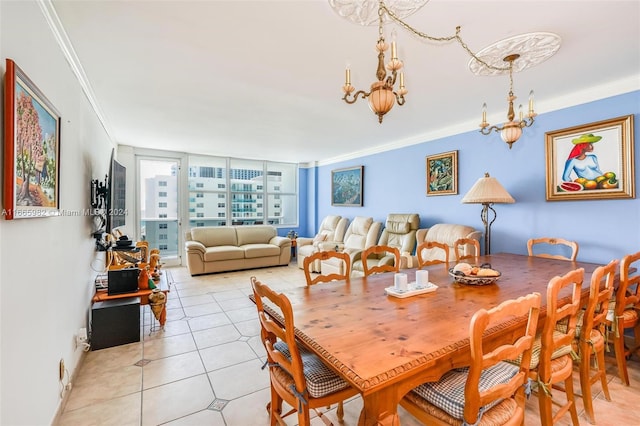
x: 383, y: 96
x: 511, y: 130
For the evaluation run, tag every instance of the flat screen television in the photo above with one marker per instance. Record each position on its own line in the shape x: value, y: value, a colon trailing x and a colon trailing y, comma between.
x: 116, y: 198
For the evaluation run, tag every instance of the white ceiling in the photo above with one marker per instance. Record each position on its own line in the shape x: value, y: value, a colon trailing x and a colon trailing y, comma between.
x: 262, y: 79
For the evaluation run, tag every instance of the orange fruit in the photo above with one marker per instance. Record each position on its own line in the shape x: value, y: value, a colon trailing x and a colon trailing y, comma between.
x: 581, y: 181
x: 600, y: 178
x: 590, y: 184
x: 609, y: 175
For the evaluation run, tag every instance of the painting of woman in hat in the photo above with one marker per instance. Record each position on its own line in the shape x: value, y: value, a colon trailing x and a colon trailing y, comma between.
x: 581, y: 161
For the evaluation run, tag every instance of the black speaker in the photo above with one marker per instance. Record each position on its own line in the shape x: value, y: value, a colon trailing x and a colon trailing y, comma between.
x: 115, y: 322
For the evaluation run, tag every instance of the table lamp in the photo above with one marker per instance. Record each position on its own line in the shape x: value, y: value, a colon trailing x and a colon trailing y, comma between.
x: 487, y: 191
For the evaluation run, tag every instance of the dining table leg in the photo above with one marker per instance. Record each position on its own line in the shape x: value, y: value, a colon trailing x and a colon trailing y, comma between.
x: 380, y: 408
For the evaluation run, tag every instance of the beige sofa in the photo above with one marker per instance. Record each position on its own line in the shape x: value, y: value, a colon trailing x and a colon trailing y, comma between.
x: 229, y: 248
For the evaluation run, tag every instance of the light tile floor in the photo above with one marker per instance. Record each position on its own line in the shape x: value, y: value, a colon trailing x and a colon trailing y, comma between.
x: 204, y: 367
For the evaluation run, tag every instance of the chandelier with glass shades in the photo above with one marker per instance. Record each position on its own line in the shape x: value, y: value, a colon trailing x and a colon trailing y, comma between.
x: 383, y: 94
x: 511, y: 130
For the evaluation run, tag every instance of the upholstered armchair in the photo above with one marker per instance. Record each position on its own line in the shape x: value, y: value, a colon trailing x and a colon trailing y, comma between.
x: 362, y: 233
x: 399, y: 232
x: 330, y: 233
x: 448, y: 234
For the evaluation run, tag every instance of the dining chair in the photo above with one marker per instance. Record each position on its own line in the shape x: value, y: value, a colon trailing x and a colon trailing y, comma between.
x: 490, y: 387
x: 546, y: 241
x: 374, y: 260
x: 626, y: 306
x: 590, y: 334
x: 461, y: 248
x: 552, y: 353
x: 298, y: 377
x: 313, y: 259
x: 431, y: 245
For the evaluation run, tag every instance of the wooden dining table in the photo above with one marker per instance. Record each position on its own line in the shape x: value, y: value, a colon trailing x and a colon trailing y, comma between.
x: 385, y: 345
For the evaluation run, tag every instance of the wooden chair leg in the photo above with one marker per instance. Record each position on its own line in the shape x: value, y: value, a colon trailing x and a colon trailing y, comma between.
x: 303, y: 416
x: 274, y: 408
x: 545, y: 404
x: 621, y: 356
x: 568, y: 389
x: 585, y: 381
x: 340, y: 412
x: 602, y: 373
x: 636, y: 339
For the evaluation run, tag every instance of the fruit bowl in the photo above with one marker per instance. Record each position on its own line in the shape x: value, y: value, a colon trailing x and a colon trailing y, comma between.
x: 473, y: 279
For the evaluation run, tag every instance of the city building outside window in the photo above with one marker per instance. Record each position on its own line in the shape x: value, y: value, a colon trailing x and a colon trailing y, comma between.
x: 260, y: 192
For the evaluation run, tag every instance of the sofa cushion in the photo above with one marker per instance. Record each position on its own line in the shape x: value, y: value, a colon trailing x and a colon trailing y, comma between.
x: 211, y: 236
x: 260, y: 250
x: 218, y: 253
x: 255, y: 234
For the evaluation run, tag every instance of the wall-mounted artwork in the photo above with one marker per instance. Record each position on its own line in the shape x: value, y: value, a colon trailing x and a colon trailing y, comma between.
x: 442, y: 173
x: 346, y: 187
x: 592, y: 161
x: 31, y: 149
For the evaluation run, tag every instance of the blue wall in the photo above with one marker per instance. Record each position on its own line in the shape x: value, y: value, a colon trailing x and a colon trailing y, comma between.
x: 395, y: 182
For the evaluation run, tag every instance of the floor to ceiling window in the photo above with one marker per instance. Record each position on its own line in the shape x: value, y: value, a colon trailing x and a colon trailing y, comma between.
x: 230, y: 191
x: 159, y: 205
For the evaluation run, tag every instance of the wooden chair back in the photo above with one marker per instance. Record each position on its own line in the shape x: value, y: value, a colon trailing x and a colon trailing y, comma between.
x: 503, y: 393
x: 310, y: 260
x: 367, y: 262
x: 286, y: 370
x: 481, y: 358
x: 592, y: 334
x: 627, y: 299
x: 459, y: 247
x: 555, y: 364
x: 600, y: 292
x: 272, y: 331
x: 560, y: 323
x: 572, y: 245
x: 427, y: 245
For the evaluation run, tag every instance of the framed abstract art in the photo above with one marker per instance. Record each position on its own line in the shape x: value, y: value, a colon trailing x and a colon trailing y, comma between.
x: 346, y: 186
x: 442, y: 173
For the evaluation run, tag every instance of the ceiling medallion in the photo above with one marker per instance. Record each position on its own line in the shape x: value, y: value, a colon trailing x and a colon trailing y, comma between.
x: 533, y: 48
x: 365, y: 12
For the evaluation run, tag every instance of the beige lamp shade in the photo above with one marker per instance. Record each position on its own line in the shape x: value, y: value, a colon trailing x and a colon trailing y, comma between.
x: 487, y: 190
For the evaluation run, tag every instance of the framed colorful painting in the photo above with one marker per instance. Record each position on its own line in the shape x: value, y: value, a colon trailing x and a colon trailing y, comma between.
x: 442, y: 173
x: 346, y: 187
x: 31, y: 149
x: 592, y: 161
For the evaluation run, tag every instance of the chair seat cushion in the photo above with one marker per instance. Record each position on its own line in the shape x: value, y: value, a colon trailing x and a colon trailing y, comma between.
x: 629, y: 316
x: 537, y: 349
x: 448, y: 393
x: 321, y: 380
